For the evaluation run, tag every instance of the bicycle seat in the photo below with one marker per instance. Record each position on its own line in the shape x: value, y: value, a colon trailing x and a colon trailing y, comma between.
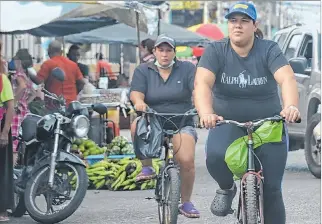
x: 99, y: 108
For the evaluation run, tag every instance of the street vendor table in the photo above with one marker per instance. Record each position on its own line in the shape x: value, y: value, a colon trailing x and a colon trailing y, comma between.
x: 112, y: 129
x: 112, y: 99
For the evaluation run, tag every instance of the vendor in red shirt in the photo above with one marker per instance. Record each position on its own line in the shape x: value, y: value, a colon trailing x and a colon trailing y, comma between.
x: 103, y: 68
x: 74, y: 80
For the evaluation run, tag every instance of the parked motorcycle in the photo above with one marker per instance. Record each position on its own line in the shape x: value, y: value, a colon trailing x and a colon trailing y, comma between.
x: 46, y: 165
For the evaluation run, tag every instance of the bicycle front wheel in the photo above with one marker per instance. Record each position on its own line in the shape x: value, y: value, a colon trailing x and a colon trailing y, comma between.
x: 169, y: 207
x: 253, y: 212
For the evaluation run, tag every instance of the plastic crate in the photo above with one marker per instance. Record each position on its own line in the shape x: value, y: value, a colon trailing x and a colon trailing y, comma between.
x: 91, y: 160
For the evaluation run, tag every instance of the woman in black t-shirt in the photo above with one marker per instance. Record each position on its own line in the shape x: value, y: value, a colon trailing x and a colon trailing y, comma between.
x: 242, y: 73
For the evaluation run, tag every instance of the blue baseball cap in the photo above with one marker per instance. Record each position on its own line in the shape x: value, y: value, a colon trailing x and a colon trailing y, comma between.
x: 243, y: 8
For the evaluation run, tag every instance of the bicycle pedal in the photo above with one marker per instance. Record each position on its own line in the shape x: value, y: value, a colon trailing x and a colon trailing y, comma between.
x: 150, y: 198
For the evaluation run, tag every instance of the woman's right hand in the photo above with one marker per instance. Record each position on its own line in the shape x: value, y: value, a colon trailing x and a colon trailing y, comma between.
x: 140, y: 106
x: 209, y: 120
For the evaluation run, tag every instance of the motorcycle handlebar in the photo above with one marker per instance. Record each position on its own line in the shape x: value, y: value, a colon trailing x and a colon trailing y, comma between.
x: 53, y: 96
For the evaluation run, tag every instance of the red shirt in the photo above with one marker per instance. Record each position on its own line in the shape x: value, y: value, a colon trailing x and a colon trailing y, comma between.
x: 107, y: 67
x: 72, y: 74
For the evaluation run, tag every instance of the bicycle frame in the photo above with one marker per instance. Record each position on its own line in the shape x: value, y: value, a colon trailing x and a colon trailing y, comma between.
x: 250, y: 144
x: 258, y: 176
x: 168, y: 211
x: 250, y: 171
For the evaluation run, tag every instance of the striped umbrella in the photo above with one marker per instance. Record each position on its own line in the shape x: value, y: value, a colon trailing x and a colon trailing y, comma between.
x: 209, y: 30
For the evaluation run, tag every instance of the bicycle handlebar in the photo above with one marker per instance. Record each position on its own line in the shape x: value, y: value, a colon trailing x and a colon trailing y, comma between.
x: 191, y: 112
x: 256, y: 123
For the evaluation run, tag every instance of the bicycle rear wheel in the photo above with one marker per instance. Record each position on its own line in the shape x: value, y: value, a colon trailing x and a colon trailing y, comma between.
x: 168, y: 210
x: 252, y: 202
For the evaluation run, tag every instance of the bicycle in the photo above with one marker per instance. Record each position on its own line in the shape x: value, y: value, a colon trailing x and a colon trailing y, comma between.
x: 250, y: 208
x: 167, y: 191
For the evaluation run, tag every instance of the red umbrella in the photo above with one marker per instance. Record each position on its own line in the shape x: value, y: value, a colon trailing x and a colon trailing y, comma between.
x: 211, y: 31
x: 197, y: 51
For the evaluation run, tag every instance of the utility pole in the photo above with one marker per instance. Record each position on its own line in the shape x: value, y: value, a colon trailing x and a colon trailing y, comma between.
x: 281, y: 19
x: 205, y: 12
x: 269, y: 20
x: 219, y: 12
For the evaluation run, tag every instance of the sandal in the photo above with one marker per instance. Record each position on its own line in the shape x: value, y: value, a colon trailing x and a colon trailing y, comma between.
x: 188, y: 210
x: 4, y: 219
x: 221, y: 205
x: 147, y: 173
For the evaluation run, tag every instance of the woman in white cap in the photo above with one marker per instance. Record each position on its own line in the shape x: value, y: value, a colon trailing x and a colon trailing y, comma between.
x: 242, y: 73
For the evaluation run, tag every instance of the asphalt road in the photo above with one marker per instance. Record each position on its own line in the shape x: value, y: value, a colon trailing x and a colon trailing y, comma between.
x: 302, y: 194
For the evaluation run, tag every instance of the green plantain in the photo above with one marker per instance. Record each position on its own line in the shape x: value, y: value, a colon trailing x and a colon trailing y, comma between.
x: 133, y: 186
x: 122, y: 178
x: 100, y: 184
x: 144, y: 185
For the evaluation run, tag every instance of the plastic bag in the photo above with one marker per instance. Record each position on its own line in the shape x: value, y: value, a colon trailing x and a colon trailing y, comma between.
x: 236, y: 155
x: 148, y: 138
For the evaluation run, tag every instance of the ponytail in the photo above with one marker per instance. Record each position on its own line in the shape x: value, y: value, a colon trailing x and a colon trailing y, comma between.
x: 259, y: 33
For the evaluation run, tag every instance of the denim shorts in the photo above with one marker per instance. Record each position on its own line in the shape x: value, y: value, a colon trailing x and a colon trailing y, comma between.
x: 187, y: 130
x: 190, y: 131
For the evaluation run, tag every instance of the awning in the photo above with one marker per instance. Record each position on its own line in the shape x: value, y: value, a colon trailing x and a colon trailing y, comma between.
x: 124, y: 34
x: 116, y: 34
x: 122, y: 11
x: 60, y: 19
x: 69, y: 26
x: 26, y: 15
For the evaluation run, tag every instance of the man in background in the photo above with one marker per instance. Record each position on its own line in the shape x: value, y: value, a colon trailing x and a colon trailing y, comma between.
x: 104, y: 69
x: 74, y: 80
x: 74, y: 55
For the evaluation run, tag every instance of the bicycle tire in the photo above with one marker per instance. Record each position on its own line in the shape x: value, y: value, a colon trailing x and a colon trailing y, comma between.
x: 261, y: 202
x: 172, y: 190
x: 158, y: 194
x: 251, y: 199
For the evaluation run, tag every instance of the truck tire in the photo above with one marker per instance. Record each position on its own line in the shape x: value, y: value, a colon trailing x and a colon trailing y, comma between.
x: 310, y: 147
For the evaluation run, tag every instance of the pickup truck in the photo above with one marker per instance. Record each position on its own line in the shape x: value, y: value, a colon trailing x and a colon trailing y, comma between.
x: 301, y: 45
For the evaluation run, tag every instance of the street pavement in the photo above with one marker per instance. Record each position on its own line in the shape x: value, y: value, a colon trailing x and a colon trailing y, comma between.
x: 302, y: 193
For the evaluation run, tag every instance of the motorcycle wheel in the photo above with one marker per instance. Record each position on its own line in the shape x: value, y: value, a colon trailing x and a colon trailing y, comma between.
x: 41, y: 217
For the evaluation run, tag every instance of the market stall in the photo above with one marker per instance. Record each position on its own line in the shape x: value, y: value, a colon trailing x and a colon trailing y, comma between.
x: 115, y: 102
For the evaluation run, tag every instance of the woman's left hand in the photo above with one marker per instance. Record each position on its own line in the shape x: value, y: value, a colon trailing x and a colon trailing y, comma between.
x: 4, y: 139
x: 291, y: 114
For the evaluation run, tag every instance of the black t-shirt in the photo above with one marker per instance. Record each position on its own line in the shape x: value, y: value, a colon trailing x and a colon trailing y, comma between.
x: 245, y: 88
x: 84, y: 69
x: 171, y: 96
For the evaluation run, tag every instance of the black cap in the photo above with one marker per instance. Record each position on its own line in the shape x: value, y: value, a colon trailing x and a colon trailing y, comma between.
x: 165, y: 39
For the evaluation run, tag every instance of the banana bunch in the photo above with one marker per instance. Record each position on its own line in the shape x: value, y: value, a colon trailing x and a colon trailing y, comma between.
x: 73, y: 182
x: 126, y: 176
x: 120, y: 174
x: 101, y: 172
